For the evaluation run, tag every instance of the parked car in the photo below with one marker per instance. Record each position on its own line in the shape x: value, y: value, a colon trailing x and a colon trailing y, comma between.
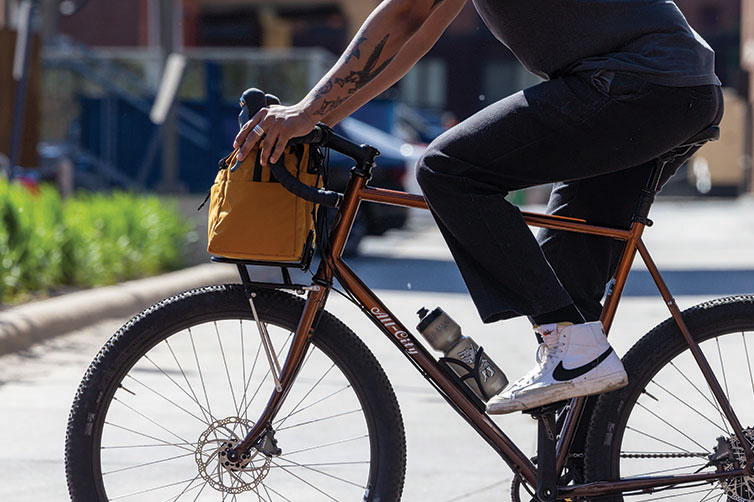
x: 394, y: 164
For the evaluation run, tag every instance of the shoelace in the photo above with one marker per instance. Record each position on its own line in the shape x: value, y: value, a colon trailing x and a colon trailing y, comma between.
x: 545, y: 354
x: 544, y: 361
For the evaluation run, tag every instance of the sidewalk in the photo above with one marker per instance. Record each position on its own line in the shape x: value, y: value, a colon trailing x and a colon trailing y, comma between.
x: 704, y: 248
x: 33, y: 322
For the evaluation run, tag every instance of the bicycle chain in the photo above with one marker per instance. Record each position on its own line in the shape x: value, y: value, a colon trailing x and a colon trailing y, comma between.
x: 664, y: 455
x: 650, y: 455
x: 518, y: 482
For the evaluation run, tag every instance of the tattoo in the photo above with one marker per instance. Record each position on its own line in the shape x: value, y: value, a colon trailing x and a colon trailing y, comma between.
x: 329, y: 105
x: 327, y: 87
x: 362, y: 77
x: 355, y: 53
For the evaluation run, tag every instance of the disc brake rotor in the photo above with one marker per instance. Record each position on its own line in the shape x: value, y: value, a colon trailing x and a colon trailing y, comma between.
x: 211, y: 457
x: 741, y: 488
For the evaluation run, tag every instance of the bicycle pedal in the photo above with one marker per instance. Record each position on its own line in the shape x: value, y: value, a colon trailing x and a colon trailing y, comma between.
x: 547, y: 409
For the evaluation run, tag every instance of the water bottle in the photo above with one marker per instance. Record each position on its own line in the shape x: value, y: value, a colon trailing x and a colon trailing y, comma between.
x: 462, y: 354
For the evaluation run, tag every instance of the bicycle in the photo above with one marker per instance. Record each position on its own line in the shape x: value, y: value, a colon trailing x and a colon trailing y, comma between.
x: 143, y: 408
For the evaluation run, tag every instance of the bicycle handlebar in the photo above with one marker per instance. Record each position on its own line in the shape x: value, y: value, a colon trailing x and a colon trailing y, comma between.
x: 321, y: 135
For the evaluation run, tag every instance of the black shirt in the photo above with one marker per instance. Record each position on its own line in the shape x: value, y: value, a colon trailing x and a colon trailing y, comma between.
x: 650, y: 38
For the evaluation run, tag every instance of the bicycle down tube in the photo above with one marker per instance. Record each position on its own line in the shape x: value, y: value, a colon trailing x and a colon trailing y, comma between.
x: 414, y: 350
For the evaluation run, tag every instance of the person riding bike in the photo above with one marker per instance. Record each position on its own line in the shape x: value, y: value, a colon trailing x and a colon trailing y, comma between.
x: 624, y: 82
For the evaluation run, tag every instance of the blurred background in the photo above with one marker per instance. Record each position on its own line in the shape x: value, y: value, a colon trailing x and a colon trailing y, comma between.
x: 114, y: 113
x: 95, y: 68
x: 141, y: 96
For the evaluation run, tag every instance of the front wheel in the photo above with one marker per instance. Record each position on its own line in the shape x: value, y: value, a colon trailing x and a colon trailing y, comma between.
x: 180, y: 384
x: 666, y: 421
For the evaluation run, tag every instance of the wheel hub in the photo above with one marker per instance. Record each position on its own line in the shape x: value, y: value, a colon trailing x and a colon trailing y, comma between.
x: 211, y: 455
x: 730, y: 456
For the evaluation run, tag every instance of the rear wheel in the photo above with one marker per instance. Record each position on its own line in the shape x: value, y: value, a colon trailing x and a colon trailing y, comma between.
x: 180, y: 384
x: 666, y: 421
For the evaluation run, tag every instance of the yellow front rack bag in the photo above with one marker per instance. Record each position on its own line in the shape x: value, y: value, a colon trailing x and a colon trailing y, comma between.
x: 253, y: 217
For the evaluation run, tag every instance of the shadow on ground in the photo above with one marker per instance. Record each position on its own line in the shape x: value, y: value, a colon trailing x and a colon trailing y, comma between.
x: 439, y: 276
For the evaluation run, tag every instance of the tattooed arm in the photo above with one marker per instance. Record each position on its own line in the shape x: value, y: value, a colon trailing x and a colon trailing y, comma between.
x: 422, y: 41
x: 360, y: 71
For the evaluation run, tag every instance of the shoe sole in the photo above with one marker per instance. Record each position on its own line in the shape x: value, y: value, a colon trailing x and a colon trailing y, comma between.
x: 560, y: 392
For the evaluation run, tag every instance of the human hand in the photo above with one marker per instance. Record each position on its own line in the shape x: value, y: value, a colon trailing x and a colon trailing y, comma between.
x: 278, y: 124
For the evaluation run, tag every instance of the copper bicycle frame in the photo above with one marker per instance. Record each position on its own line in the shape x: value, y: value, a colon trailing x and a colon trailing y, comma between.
x: 358, y: 191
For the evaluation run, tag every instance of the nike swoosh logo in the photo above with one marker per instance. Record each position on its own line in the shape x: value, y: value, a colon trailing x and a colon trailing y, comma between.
x: 562, y: 374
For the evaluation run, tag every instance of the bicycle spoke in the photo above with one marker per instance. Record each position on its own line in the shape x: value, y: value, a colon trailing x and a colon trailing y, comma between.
x: 307, y: 467
x: 319, y: 420
x: 259, y: 387
x: 748, y: 362
x: 244, y: 402
x: 145, y: 446
x: 187, y: 489
x: 227, y: 371
x: 670, y: 425
x: 310, y: 405
x: 664, y: 470
x: 199, y: 368
x: 148, y: 463
x: 148, y: 490
x: 146, y: 435
x: 689, y: 406
x: 169, y: 382
x: 259, y: 495
x: 706, y: 497
x: 166, y: 399
x: 243, y: 362
x: 703, y: 490
x: 713, y: 402
x: 193, y: 398
x: 722, y: 365
x: 282, y: 421
x: 656, y: 439
x: 206, y: 483
x: 321, y: 464
x: 276, y: 493
x: 185, y: 377
x: 327, y: 444
x: 309, y: 484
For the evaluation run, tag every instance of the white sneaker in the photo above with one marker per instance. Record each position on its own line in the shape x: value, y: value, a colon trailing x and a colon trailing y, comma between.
x: 574, y: 360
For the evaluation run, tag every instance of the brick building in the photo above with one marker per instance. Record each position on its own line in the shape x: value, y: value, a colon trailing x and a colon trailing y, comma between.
x: 473, y: 82
x: 329, y: 23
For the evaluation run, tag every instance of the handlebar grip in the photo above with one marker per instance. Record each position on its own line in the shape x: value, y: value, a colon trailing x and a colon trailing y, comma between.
x: 321, y: 196
x: 314, y: 137
x: 251, y: 101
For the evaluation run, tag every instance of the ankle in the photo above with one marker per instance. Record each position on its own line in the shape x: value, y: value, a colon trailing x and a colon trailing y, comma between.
x: 569, y: 313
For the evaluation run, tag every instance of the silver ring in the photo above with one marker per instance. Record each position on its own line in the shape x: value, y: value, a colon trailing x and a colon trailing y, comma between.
x: 258, y: 131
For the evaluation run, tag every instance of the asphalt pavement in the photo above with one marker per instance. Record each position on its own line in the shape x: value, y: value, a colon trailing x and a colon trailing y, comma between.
x: 706, y: 249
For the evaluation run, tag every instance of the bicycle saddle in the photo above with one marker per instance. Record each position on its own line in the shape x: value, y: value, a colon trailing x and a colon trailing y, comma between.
x: 712, y: 133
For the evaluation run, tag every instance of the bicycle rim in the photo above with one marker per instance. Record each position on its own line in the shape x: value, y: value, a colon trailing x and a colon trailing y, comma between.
x: 174, y: 412
x: 668, y: 422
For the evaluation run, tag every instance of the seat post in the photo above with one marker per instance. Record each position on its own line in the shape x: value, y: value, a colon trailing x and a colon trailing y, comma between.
x: 682, y: 152
x: 648, y: 193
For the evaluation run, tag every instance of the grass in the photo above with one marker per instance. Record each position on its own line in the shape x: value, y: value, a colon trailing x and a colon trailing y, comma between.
x: 87, y: 240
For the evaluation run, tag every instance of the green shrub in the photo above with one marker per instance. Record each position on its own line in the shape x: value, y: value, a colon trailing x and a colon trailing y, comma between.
x: 88, y: 240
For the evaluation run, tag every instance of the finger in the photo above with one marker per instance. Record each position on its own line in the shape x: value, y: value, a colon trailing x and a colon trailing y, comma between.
x: 241, y: 136
x: 245, y: 130
x: 270, y: 138
x: 280, y: 146
x: 246, y: 139
x: 252, y: 139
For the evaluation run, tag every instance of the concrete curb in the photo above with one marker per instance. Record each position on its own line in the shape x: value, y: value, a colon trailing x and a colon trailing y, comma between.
x: 25, y: 325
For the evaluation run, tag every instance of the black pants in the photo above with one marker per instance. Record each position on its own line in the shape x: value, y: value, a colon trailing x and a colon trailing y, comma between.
x: 593, y: 134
